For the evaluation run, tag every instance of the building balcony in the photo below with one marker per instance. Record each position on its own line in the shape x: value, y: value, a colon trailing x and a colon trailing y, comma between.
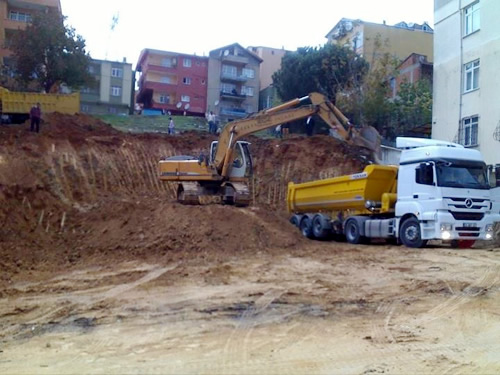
x: 233, y: 77
x: 232, y: 96
x: 240, y: 60
x: 233, y: 112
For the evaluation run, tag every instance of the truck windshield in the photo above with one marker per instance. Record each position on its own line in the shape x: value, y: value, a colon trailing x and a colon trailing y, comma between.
x: 462, y: 174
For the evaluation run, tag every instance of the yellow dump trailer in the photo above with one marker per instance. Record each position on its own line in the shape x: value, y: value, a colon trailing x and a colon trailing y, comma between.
x: 359, y: 193
x: 18, y: 104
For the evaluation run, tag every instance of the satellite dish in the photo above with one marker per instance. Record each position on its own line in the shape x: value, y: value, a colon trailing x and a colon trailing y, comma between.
x: 179, y: 105
x: 186, y: 107
x: 216, y: 103
x: 348, y: 26
x: 226, y: 52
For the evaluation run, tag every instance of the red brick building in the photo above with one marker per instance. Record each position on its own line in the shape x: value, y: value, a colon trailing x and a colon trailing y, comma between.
x: 172, y: 82
x: 413, y: 69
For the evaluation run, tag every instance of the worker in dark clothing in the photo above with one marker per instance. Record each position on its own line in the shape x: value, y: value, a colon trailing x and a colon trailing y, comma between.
x: 310, y: 126
x: 35, y: 116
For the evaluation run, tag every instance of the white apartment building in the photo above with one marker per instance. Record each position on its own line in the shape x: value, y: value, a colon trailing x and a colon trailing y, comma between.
x: 466, y: 74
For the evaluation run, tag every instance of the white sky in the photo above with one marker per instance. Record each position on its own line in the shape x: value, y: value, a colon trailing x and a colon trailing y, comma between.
x: 199, y: 26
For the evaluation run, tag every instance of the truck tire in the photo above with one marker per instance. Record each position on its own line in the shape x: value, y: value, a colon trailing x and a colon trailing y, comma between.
x: 295, y: 220
x: 410, y: 234
x: 352, y: 232
x: 321, y: 226
x: 306, y: 227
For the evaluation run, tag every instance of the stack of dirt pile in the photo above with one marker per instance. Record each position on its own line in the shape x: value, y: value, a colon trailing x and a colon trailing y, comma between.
x: 81, y: 190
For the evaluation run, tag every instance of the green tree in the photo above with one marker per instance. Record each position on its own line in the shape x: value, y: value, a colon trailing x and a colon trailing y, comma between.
x: 326, y: 69
x: 49, y: 53
x: 413, y: 106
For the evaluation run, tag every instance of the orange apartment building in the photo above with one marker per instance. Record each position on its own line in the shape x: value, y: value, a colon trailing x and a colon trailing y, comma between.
x: 14, y: 15
x: 172, y: 82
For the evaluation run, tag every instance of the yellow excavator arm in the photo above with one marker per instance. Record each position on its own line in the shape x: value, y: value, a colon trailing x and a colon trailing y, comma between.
x: 367, y: 137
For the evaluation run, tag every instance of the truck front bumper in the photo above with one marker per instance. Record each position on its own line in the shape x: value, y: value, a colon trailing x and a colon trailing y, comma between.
x: 446, y: 227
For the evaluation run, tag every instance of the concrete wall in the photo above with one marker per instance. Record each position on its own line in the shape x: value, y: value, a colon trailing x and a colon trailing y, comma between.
x: 452, y: 51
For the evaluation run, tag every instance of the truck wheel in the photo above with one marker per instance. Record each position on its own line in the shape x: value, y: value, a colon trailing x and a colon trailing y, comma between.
x: 306, y: 227
x: 352, y: 232
x: 295, y: 220
x: 321, y: 226
x: 410, y: 234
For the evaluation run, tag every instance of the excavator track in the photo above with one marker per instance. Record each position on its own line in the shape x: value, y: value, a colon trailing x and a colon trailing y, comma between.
x: 188, y: 193
x: 236, y: 193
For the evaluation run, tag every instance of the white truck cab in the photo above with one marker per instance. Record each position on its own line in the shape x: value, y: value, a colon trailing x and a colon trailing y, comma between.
x: 443, y: 193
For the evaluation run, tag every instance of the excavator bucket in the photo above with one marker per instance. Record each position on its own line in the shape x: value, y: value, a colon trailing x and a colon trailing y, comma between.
x: 370, y: 138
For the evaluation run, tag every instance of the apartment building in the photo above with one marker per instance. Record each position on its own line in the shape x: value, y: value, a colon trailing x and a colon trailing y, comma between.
x: 372, y: 40
x: 113, y: 92
x: 233, y: 82
x: 271, y: 62
x: 413, y: 69
x: 172, y: 82
x: 14, y: 15
x: 466, y: 79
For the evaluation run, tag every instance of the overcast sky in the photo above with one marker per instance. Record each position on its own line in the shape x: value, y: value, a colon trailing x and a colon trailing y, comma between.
x: 199, y: 26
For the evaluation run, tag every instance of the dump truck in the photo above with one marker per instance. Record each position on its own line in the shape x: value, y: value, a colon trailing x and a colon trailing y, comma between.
x: 225, y: 171
x: 439, y: 191
x: 15, y: 106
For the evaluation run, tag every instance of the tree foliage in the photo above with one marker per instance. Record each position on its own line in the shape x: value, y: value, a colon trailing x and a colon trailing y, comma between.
x: 326, y: 69
x: 49, y: 53
x: 413, y: 106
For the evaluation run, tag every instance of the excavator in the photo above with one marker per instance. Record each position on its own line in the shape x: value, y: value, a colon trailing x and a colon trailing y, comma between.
x: 226, y: 171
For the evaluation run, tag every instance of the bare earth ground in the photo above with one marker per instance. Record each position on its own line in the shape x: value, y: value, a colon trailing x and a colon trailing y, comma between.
x: 102, y: 272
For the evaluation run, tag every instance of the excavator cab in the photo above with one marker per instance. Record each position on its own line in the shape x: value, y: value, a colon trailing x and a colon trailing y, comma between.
x: 242, y: 161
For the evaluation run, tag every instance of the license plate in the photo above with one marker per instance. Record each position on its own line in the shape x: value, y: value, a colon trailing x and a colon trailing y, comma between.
x: 469, y: 225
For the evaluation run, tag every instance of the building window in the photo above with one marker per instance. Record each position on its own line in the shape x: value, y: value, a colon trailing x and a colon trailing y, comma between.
x: 165, y: 79
x: 164, y: 98
x: 471, y: 79
x: 229, y: 70
x: 228, y: 88
x: 167, y: 62
x: 85, y: 108
x: 248, y: 73
x: 117, y: 72
x: 116, y: 91
x: 246, y: 90
x: 186, y: 63
x: 91, y: 69
x: 85, y: 90
x: 18, y: 16
x: 185, y: 98
x: 472, y: 19
x: 186, y: 80
x: 468, y: 131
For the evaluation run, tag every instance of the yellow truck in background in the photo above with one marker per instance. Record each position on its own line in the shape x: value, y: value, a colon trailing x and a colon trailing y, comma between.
x: 440, y: 191
x: 15, y: 106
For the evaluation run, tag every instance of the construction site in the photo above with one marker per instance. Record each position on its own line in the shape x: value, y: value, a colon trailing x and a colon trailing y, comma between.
x: 103, y: 271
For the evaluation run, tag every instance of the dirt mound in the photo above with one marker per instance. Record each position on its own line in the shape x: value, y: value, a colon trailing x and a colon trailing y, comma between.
x: 81, y: 191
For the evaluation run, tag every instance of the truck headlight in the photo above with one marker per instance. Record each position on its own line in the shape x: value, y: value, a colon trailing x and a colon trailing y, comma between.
x: 445, y: 235
x: 489, y: 228
x: 489, y: 236
x: 445, y: 227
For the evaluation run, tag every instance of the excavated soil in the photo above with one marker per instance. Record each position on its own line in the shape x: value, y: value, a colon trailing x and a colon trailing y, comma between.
x: 102, y: 271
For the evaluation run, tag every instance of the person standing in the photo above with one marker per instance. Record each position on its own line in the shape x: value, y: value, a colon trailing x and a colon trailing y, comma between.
x: 35, y: 116
x: 211, y: 123
x: 171, y: 126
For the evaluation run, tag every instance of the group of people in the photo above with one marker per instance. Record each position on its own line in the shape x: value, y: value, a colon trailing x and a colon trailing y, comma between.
x: 282, y: 130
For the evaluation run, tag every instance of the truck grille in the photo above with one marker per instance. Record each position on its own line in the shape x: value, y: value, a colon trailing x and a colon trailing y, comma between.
x: 460, y: 203
x: 475, y: 216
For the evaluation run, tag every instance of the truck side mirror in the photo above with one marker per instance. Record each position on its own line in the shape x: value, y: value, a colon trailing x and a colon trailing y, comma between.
x: 424, y: 174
